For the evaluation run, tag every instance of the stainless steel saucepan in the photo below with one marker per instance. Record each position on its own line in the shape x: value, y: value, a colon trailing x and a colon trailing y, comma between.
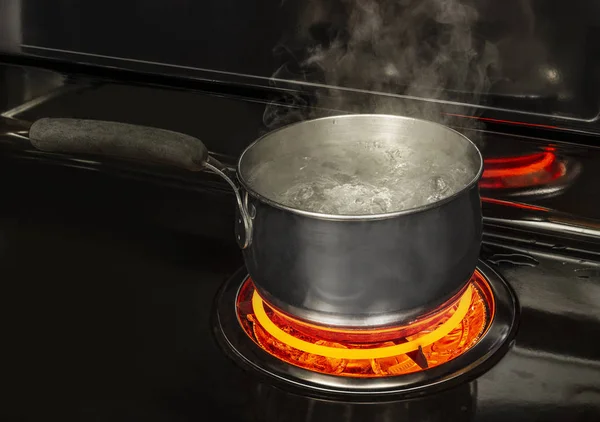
x: 352, y: 221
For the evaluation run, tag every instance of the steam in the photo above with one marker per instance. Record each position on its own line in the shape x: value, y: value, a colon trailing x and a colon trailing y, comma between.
x: 403, y: 50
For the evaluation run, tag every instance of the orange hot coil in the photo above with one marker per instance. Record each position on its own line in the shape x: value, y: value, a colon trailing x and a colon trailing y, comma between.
x: 439, y: 337
x: 521, y: 172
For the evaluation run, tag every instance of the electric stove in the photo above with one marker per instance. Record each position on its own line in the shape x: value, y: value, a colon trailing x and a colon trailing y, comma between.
x: 125, y: 296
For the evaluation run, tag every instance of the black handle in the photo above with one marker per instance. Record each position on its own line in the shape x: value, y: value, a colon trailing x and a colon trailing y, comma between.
x: 119, y: 140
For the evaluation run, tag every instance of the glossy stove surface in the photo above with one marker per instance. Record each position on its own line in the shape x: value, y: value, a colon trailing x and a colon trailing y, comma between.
x: 108, y: 316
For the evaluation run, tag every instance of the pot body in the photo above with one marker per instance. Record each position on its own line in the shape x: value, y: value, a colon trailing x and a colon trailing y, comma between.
x: 340, y: 268
x: 359, y: 274
x: 351, y: 270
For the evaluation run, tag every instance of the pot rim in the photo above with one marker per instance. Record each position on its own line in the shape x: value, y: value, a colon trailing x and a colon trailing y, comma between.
x: 359, y: 217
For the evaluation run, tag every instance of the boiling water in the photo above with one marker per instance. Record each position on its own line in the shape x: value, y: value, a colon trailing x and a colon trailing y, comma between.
x: 362, y: 178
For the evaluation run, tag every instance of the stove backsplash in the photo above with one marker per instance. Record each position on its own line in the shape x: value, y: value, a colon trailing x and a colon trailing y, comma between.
x: 538, y: 58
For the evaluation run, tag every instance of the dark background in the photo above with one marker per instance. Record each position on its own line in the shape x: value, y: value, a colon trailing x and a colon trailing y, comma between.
x: 548, y: 50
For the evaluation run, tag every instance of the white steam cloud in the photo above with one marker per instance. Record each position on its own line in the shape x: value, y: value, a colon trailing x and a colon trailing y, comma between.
x: 397, y: 48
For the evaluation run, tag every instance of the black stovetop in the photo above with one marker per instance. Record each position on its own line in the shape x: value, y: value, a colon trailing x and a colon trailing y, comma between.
x: 111, y: 271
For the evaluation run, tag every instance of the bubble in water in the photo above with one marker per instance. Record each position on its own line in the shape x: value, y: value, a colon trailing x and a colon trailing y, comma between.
x: 439, y: 187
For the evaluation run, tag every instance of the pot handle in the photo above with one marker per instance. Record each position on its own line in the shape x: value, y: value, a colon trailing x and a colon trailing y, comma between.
x: 121, y: 140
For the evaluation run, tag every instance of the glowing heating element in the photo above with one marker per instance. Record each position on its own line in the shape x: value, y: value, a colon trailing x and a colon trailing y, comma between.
x: 525, y: 171
x: 431, y: 341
